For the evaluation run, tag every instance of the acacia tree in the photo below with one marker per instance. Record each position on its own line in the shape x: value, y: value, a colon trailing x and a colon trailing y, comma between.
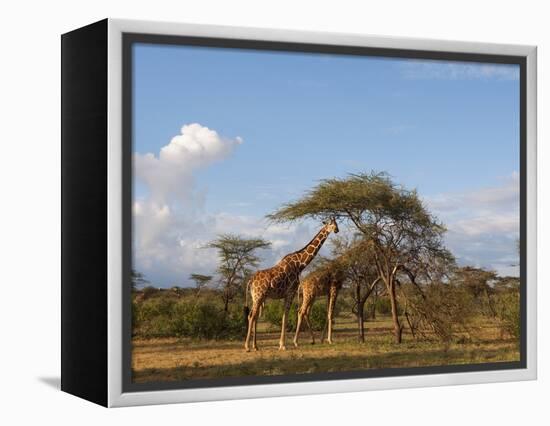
x: 355, y: 259
x: 393, y: 220
x: 479, y: 283
x: 237, y: 259
x: 201, y: 281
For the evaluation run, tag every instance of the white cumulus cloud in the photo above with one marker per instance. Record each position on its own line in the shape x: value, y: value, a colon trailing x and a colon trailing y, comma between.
x: 171, y: 227
x: 167, y: 229
x: 169, y: 176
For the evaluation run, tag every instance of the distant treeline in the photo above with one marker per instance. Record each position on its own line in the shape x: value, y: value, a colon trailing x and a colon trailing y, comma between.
x: 442, y: 312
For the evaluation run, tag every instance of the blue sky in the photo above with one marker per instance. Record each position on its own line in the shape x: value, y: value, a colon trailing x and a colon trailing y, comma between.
x: 285, y: 120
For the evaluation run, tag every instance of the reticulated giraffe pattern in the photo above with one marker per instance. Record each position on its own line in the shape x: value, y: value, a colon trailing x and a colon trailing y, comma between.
x: 281, y: 282
x: 327, y: 281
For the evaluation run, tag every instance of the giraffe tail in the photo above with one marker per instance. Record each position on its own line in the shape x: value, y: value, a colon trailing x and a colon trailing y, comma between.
x: 246, y: 309
x: 246, y: 291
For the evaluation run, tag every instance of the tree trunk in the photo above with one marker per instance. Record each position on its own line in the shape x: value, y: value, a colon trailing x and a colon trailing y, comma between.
x: 359, y: 314
x: 375, y: 299
x: 361, y: 321
x: 226, y: 303
x: 397, y: 330
x: 411, y: 326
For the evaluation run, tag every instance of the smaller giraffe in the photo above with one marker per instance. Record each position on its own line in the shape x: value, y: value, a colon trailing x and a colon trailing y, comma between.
x: 327, y: 281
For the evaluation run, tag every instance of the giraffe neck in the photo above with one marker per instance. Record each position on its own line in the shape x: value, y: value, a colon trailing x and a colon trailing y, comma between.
x: 307, y: 254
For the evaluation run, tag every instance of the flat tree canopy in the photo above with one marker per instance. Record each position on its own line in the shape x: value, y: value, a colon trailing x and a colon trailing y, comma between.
x: 236, y: 253
x: 387, y: 214
x: 200, y: 279
x: 237, y: 258
x: 362, y: 198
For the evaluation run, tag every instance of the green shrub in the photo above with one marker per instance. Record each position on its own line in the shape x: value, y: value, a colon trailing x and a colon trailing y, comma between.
x: 208, y: 321
x: 150, y: 317
x: 344, y: 303
x: 166, y: 317
x: 273, y: 314
x: 318, y: 314
x: 383, y: 306
x: 135, y: 313
x: 149, y: 291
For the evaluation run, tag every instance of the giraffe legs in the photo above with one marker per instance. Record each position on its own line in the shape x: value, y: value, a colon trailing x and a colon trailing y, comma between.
x: 325, y: 327
x: 303, y: 314
x: 331, y: 302
x: 308, y: 323
x: 330, y: 313
x: 254, y: 342
x: 252, y: 322
x: 298, y: 325
x: 282, y: 340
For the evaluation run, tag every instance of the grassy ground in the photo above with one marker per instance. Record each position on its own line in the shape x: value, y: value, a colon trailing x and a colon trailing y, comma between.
x: 171, y: 359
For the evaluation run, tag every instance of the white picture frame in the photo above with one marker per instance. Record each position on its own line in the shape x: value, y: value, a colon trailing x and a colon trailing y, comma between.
x: 116, y: 395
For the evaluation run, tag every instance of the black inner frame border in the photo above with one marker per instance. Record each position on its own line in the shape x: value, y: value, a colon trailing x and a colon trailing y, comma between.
x: 129, y: 39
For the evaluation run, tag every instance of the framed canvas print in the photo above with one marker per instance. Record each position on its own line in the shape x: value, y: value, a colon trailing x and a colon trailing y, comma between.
x: 251, y: 212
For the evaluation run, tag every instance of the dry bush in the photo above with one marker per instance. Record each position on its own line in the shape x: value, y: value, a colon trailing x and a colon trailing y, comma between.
x: 441, y: 309
x: 507, y: 309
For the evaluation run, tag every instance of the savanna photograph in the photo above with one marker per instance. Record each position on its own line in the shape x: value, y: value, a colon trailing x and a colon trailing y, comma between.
x: 305, y: 213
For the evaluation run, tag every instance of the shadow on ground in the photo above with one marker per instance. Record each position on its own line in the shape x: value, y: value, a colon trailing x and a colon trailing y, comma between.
x: 53, y: 382
x: 305, y: 364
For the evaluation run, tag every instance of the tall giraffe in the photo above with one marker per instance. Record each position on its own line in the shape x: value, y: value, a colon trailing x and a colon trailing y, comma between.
x: 281, y: 282
x: 327, y: 281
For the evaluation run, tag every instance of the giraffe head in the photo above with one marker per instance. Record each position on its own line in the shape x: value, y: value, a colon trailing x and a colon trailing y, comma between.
x: 331, y: 225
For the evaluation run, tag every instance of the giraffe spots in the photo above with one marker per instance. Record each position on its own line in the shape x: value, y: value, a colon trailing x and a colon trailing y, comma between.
x: 290, y: 260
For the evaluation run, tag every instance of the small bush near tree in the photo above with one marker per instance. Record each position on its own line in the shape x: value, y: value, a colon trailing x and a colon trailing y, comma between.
x: 273, y: 313
x: 383, y: 306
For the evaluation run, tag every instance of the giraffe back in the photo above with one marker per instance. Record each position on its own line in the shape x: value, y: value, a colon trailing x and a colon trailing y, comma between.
x: 319, y: 283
